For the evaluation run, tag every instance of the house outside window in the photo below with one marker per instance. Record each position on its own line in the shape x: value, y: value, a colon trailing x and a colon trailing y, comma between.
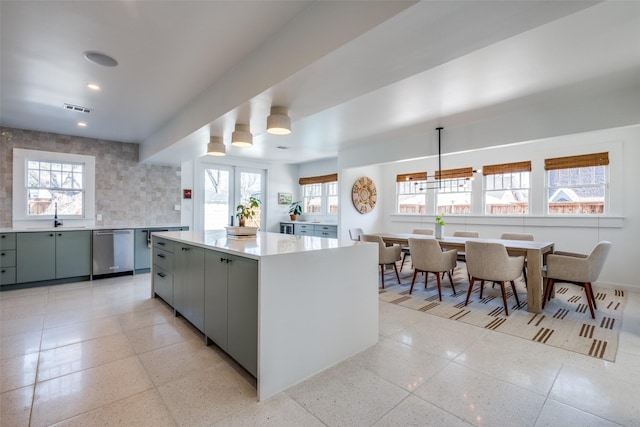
x: 577, y: 184
x: 411, y: 193
x: 55, y: 188
x: 320, y: 195
x: 506, y: 188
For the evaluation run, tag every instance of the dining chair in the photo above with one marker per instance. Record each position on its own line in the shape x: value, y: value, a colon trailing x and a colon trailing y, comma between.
x: 405, y: 249
x: 354, y: 233
x: 578, y: 269
x: 488, y: 261
x: 519, y: 236
x: 427, y: 256
x: 386, y: 254
x: 461, y: 255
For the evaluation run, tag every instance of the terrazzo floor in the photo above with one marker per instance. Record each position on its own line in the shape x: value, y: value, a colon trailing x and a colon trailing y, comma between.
x: 103, y: 353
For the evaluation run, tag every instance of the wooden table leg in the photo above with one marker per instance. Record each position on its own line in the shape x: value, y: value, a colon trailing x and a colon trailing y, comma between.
x: 534, y: 282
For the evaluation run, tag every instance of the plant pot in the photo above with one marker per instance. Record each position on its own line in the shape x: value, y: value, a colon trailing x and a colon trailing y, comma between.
x: 439, y: 231
x: 241, y: 221
x: 293, y: 217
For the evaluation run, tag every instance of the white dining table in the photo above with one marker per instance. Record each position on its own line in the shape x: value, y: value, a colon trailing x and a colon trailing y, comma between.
x: 534, y: 251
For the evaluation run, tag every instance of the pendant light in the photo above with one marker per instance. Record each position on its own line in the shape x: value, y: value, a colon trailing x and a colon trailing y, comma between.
x: 216, y: 147
x: 278, y: 122
x: 241, y: 137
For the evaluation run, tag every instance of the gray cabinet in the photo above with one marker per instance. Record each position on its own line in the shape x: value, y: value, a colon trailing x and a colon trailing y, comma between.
x: 188, y: 283
x: 318, y: 230
x: 7, y: 259
x: 142, y: 246
x: 303, y: 229
x: 231, y: 306
x: 73, y: 254
x: 35, y: 256
x: 52, y: 255
x: 163, y: 269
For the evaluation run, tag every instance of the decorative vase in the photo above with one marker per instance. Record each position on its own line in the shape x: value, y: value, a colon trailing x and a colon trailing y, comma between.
x: 241, y: 221
x: 439, y: 231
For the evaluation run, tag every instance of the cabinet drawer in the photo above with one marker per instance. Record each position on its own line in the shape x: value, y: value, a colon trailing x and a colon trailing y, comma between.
x: 304, y: 227
x: 163, y: 284
x: 7, y: 241
x: 7, y: 275
x: 328, y: 234
x: 327, y: 228
x: 163, y: 259
x: 161, y: 243
x: 8, y: 258
x: 308, y: 231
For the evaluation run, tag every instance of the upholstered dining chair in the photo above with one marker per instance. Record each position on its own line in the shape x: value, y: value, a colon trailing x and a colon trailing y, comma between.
x: 427, y: 256
x: 461, y: 255
x: 579, y: 269
x: 405, y: 249
x: 519, y: 236
x: 354, y: 233
x: 386, y: 254
x: 490, y: 262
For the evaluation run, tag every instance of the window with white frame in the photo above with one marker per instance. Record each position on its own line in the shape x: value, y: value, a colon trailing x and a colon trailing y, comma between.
x: 577, y: 184
x: 46, y: 183
x: 453, y: 191
x: 411, y: 193
x: 506, y: 188
x: 320, y: 194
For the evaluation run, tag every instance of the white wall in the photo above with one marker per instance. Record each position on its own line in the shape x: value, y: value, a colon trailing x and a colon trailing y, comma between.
x: 621, y: 226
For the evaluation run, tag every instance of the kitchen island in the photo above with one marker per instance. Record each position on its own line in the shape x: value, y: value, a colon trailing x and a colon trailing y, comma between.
x: 285, y: 307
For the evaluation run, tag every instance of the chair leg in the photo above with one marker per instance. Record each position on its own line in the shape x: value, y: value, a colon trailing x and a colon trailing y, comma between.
x: 382, y: 274
x: 438, y: 281
x: 451, y: 281
x: 395, y: 268
x: 593, y: 298
x: 481, y: 288
x: 524, y: 274
x: 415, y: 272
x: 515, y: 294
x: 404, y: 257
x: 547, y: 292
x: 504, y: 298
x: 471, y: 280
x: 589, y: 292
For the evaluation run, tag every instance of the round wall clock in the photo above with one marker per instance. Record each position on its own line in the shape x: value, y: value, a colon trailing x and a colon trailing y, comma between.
x: 364, y: 194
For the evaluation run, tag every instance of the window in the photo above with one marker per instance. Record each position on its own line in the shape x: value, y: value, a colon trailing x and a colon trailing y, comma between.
x: 453, y: 193
x: 577, y: 184
x: 411, y: 193
x: 48, y: 181
x: 506, y: 188
x: 320, y: 194
x: 55, y: 188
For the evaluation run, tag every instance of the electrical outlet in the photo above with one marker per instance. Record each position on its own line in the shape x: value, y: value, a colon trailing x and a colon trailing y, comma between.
x: 177, y: 207
x: 99, y: 217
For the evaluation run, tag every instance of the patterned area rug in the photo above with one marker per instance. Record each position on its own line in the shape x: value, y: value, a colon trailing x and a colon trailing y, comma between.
x: 565, y: 321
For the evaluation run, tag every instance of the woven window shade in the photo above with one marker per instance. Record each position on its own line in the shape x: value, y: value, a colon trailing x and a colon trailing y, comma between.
x: 416, y: 176
x: 455, y: 173
x: 318, y: 179
x: 586, y: 160
x: 507, y: 168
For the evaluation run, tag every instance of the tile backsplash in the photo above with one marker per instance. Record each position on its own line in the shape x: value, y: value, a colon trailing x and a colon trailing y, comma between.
x: 128, y: 193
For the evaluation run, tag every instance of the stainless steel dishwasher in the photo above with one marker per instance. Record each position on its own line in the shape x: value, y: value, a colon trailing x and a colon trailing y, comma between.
x: 112, y: 251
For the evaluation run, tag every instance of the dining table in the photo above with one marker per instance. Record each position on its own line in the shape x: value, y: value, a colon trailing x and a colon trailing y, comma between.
x: 535, y: 253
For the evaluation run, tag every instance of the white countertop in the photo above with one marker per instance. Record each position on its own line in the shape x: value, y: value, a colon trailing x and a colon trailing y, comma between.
x: 261, y: 245
x: 309, y: 222
x: 71, y: 228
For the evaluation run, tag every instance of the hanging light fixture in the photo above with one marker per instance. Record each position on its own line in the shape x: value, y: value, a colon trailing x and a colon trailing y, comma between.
x: 216, y: 147
x: 241, y: 137
x: 278, y: 122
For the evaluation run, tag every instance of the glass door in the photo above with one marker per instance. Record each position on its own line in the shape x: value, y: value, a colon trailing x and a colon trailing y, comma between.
x: 250, y: 185
x: 217, y: 197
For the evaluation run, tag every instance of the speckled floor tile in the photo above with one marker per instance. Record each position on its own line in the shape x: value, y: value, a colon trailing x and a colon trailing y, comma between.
x: 15, y: 407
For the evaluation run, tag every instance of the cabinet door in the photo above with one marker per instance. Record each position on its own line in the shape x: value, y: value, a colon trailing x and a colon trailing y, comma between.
x: 243, y: 312
x: 215, y: 298
x: 7, y: 241
x: 35, y: 256
x: 141, y: 251
x: 73, y: 253
x: 163, y: 284
x: 180, y: 274
x: 194, y: 291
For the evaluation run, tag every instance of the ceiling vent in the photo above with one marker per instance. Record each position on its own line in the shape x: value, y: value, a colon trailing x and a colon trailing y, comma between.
x: 77, y: 108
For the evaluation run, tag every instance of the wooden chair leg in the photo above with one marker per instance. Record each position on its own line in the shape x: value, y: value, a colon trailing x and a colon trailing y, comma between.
x: 547, y: 292
x: 587, y: 290
x: 504, y: 299
x: 524, y: 274
x: 481, y: 288
x: 593, y: 297
x: 382, y: 274
x: 438, y: 281
x: 415, y: 272
x: 471, y: 280
x: 395, y: 268
x: 404, y: 257
x: 451, y: 281
x: 515, y: 294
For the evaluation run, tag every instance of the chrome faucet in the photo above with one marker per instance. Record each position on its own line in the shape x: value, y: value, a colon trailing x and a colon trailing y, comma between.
x: 56, y: 223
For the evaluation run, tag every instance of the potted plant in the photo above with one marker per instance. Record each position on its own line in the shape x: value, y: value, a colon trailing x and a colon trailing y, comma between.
x: 247, y: 211
x: 439, y: 226
x: 295, y: 209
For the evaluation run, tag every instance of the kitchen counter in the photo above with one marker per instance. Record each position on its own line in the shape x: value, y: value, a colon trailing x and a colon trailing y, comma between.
x: 71, y: 228
x: 317, y: 298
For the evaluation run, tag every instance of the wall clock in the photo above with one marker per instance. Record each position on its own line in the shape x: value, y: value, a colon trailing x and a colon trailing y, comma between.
x: 364, y: 195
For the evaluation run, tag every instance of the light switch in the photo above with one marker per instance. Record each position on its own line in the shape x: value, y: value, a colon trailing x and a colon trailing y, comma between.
x: 99, y: 217
x: 177, y: 207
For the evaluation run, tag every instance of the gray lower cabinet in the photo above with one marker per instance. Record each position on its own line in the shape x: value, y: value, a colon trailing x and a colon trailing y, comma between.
x: 7, y: 259
x: 141, y: 246
x: 163, y: 269
x: 188, y: 283
x: 231, y: 306
x: 318, y: 230
x: 52, y: 255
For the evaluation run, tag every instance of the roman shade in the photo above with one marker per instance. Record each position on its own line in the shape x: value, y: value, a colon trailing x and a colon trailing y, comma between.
x: 318, y: 179
x: 583, y: 161
x: 507, y: 168
x: 416, y: 176
x: 461, y: 173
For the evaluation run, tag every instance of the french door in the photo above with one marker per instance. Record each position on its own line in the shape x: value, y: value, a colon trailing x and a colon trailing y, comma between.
x: 225, y: 187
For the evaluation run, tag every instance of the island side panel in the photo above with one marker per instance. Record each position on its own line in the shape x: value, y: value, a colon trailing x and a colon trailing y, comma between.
x: 315, y: 309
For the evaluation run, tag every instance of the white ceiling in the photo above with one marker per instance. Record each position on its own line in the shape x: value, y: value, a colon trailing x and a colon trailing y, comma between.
x: 347, y: 71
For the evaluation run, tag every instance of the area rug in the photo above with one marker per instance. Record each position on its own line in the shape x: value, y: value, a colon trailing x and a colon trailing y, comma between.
x: 565, y: 321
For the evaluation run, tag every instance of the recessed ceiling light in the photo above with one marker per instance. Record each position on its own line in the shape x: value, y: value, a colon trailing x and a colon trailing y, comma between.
x: 100, y: 59
x: 93, y: 86
x: 82, y: 124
